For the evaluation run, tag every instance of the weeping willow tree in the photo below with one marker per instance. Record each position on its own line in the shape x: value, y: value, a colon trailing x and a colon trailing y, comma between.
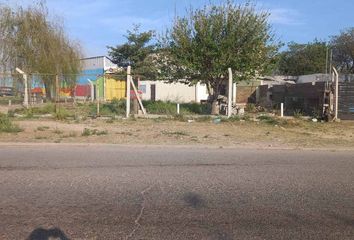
x: 31, y: 41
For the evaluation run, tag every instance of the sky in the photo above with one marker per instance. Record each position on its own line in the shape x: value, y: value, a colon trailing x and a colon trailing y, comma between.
x: 97, y: 24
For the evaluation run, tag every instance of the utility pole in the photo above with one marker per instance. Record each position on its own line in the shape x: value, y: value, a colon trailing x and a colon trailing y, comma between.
x: 128, y: 91
x: 24, y: 75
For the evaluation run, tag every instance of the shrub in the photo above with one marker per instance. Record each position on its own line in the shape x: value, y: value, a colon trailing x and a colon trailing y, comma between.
x: 115, y: 107
x: 250, y: 107
x: 7, y: 126
x: 268, y: 119
x: 62, y: 114
x: 88, y: 132
x: 235, y: 118
x: 195, y: 108
x: 204, y: 119
x: 170, y: 108
x: 160, y: 107
x: 46, y: 109
x: 179, y: 117
x: 11, y: 113
x: 297, y: 113
x: 42, y: 128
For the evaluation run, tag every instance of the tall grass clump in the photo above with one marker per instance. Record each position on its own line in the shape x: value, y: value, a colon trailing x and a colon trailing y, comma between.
x: 7, y: 126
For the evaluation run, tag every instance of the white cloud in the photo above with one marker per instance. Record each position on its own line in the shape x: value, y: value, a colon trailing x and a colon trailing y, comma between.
x: 284, y: 16
x: 122, y: 23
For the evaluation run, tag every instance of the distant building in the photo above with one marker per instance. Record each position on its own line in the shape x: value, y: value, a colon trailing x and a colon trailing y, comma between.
x: 93, y: 68
x: 173, y: 92
x: 312, y: 94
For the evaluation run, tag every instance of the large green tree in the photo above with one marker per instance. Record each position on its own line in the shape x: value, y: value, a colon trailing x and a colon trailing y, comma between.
x: 138, y: 52
x: 301, y: 59
x: 32, y: 42
x: 202, y: 45
x: 343, y: 51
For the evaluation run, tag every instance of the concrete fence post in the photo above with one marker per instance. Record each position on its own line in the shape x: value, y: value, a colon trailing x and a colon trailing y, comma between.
x: 127, y: 111
x: 282, y: 110
x: 26, y: 97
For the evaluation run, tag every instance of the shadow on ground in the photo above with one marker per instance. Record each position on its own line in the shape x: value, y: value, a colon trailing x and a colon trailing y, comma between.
x: 43, y: 234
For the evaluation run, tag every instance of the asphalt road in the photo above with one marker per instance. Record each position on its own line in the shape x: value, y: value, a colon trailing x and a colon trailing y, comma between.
x: 115, y: 192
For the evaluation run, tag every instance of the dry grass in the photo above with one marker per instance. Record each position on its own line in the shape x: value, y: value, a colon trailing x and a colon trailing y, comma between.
x: 294, y: 133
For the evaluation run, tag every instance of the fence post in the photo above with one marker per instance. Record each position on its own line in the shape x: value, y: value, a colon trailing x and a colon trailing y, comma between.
x: 178, y: 108
x: 336, y: 93
x: 128, y: 92
x: 282, y: 110
x: 229, y: 98
x: 57, y: 92
x: 24, y: 75
x: 98, y: 97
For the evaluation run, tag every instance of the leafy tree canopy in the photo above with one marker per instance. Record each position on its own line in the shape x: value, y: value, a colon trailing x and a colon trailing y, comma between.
x: 343, y: 50
x: 138, y: 52
x: 302, y: 59
x: 202, y: 45
x: 30, y: 41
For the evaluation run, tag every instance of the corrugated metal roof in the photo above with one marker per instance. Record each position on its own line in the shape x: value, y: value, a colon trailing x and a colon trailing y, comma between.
x: 98, y: 62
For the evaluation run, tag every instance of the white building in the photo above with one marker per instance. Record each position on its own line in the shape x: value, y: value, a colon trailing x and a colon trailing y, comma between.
x: 174, y: 92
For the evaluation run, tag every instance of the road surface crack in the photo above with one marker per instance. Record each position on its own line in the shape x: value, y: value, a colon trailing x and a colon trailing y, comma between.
x: 142, y: 208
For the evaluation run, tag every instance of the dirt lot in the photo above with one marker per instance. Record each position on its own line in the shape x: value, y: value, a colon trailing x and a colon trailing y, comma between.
x: 294, y: 134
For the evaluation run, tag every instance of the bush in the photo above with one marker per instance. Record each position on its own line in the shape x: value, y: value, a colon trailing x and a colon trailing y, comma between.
x: 7, y: 126
x: 62, y: 114
x: 88, y: 132
x: 114, y: 107
x: 268, y: 119
x: 196, y: 108
x: 160, y: 107
x: 251, y: 108
x: 297, y: 113
x: 170, y: 108
x: 235, y: 118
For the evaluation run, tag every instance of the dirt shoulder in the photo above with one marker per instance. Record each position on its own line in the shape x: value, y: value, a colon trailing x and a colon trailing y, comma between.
x: 296, y: 134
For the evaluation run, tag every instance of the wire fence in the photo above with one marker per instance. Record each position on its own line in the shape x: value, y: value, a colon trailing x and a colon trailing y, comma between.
x: 82, y: 86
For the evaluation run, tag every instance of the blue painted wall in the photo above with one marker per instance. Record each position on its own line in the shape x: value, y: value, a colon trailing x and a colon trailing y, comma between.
x: 91, y: 74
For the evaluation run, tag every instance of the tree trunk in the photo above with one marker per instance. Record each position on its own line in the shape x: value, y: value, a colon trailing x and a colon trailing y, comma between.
x: 48, y: 92
x: 215, y: 107
x: 214, y: 94
x: 135, y: 106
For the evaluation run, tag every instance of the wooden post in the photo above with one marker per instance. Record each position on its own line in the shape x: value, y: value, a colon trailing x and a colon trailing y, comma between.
x: 135, y: 103
x: 138, y: 97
